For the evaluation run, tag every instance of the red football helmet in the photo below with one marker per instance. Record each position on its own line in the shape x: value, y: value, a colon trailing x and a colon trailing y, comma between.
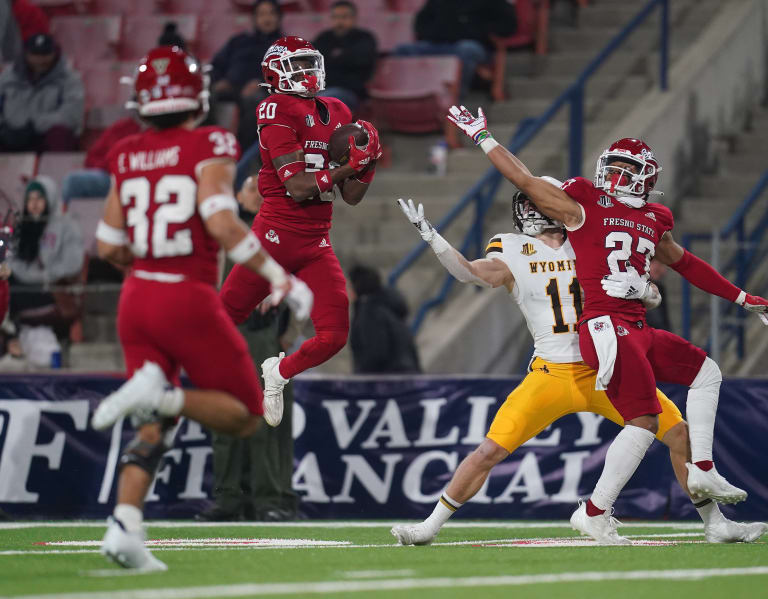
x: 169, y: 80
x: 292, y: 65
x: 620, y: 181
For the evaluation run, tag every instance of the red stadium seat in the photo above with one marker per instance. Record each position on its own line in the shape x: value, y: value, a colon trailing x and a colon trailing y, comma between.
x: 413, y: 94
x: 532, y: 30
x: 307, y: 26
x: 87, y: 39
x: 140, y: 33
x: 215, y: 30
x: 199, y: 7
x: 15, y: 172
x: 390, y: 29
x: 409, y: 6
x: 55, y: 8
x: 105, y: 96
x: 130, y: 7
x: 58, y: 165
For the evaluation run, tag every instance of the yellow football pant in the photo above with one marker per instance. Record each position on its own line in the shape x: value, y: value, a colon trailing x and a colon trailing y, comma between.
x: 551, y: 391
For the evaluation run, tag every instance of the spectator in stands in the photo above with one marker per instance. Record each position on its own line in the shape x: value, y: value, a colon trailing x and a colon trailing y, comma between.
x: 30, y: 18
x: 461, y: 28
x: 41, y: 100
x: 50, y: 252
x: 380, y: 339
x: 349, y: 54
x: 237, y: 72
x: 10, y: 38
x: 93, y: 181
x: 171, y: 36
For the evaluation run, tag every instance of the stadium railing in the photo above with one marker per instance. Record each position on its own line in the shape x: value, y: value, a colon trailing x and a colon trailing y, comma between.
x: 482, y: 194
x: 737, y: 252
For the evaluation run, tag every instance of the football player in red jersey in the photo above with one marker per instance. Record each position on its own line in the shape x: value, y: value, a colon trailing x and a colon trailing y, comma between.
x: 298, y: 187
x: 615, y: 231
x: 171, y: 207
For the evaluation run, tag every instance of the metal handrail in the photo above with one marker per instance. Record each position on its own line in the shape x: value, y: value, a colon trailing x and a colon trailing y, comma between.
x: 742, y: 263
x: 484, y: 190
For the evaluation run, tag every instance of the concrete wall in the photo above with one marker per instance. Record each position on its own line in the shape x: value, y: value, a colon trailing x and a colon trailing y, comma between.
x: 712, y: 89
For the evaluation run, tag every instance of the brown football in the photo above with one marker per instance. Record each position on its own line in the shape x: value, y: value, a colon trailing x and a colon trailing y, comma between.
x: 338, y: 145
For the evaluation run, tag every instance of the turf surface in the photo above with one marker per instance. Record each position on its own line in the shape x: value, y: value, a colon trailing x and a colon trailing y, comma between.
x: 498, y: 560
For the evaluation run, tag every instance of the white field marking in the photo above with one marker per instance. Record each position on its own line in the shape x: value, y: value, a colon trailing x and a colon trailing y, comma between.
x: 333, y: 524
x: 402, y: 584
x: 182, y: 545
x: 376, y: 573
x: 215, y: 542
x: 666, y: 536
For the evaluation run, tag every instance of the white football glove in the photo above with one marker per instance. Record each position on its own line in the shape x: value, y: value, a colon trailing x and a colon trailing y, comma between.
x: 628, y: 285
x: 417, y: 218
x: 754, y: 303
x: 299, y: 298
x: 476, y: 127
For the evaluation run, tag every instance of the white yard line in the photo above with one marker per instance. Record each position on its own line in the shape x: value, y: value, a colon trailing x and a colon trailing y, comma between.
x: 333, y: 524
x: 376, y: 573
x: 323, y: 587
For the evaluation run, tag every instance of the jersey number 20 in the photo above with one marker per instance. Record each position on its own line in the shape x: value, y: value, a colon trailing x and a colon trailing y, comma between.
x: 137, y: 191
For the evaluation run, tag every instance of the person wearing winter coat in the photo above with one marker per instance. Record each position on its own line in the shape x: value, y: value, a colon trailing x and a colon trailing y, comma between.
x: 42, y: 101
x: 380, y: 339
x: 49, y: 252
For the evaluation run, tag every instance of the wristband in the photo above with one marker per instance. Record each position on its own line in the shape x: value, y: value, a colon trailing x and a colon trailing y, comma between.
x: 216, y: 203
x: 488, y: 144
x: 245, y: 249
x: 111, y: 235
x: 324, y: 181
x: 741, y: 300
x: 273, y: 272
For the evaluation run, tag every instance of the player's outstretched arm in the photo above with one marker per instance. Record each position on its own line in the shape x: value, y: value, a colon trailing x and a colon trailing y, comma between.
x: 218, y: 208
x: 552, y: 201
x: 701, y: 274
x: 111, y: 238
x: 483, y: 272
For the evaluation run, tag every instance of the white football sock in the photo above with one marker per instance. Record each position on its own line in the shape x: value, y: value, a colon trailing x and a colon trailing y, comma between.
x: 172, y: 402
x: 710, y: 512
x: 700, y: 409
x: 444, y: 509
x: 622, y: 459
x: 129, y: 515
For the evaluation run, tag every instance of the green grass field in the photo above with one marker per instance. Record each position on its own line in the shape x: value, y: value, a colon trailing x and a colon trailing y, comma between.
x: 306, y: 559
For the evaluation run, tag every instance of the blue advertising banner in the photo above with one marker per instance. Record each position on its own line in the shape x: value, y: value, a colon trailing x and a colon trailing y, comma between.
x: 365, y: 448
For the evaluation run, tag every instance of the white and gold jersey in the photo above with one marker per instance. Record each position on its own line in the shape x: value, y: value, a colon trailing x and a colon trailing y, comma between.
x: 547, y: 291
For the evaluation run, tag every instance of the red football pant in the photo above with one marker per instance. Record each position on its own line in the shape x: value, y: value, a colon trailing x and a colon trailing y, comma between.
x: 311, y: 258
x: 644, y: 355
x: 184, y: 325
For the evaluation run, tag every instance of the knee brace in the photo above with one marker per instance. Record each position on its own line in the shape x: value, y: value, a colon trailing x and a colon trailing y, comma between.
x: 147, y: 455
x: 709, y: 375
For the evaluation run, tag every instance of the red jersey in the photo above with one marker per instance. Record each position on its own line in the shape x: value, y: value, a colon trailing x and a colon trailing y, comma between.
x: 289, y: 123
x: 155, y: 175
x: 612, y: 237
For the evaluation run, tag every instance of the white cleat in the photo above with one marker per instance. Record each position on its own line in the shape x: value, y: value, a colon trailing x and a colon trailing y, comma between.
x: 709, y: 483
x: 729, y: 531
x: 413, y: 534
x: 139, y: 394
x: 273, y: 390
x: 127, y: 549
x: 601, y: 528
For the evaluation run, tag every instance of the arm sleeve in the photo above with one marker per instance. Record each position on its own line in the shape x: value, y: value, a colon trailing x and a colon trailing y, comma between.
x: 280, y: 140
x: 701, y: 274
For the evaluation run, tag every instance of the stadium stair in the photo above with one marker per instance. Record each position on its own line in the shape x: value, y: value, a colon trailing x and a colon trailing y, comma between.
x: 376, y: 233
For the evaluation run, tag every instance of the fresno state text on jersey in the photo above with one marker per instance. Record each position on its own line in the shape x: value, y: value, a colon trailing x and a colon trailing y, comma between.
x: 155, y: 174
x: 287, y: 124
x: 612, y: 238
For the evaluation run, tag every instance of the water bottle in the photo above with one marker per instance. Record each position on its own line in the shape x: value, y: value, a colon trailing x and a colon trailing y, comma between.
x: 56, y: 359
x: 438, y: 157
